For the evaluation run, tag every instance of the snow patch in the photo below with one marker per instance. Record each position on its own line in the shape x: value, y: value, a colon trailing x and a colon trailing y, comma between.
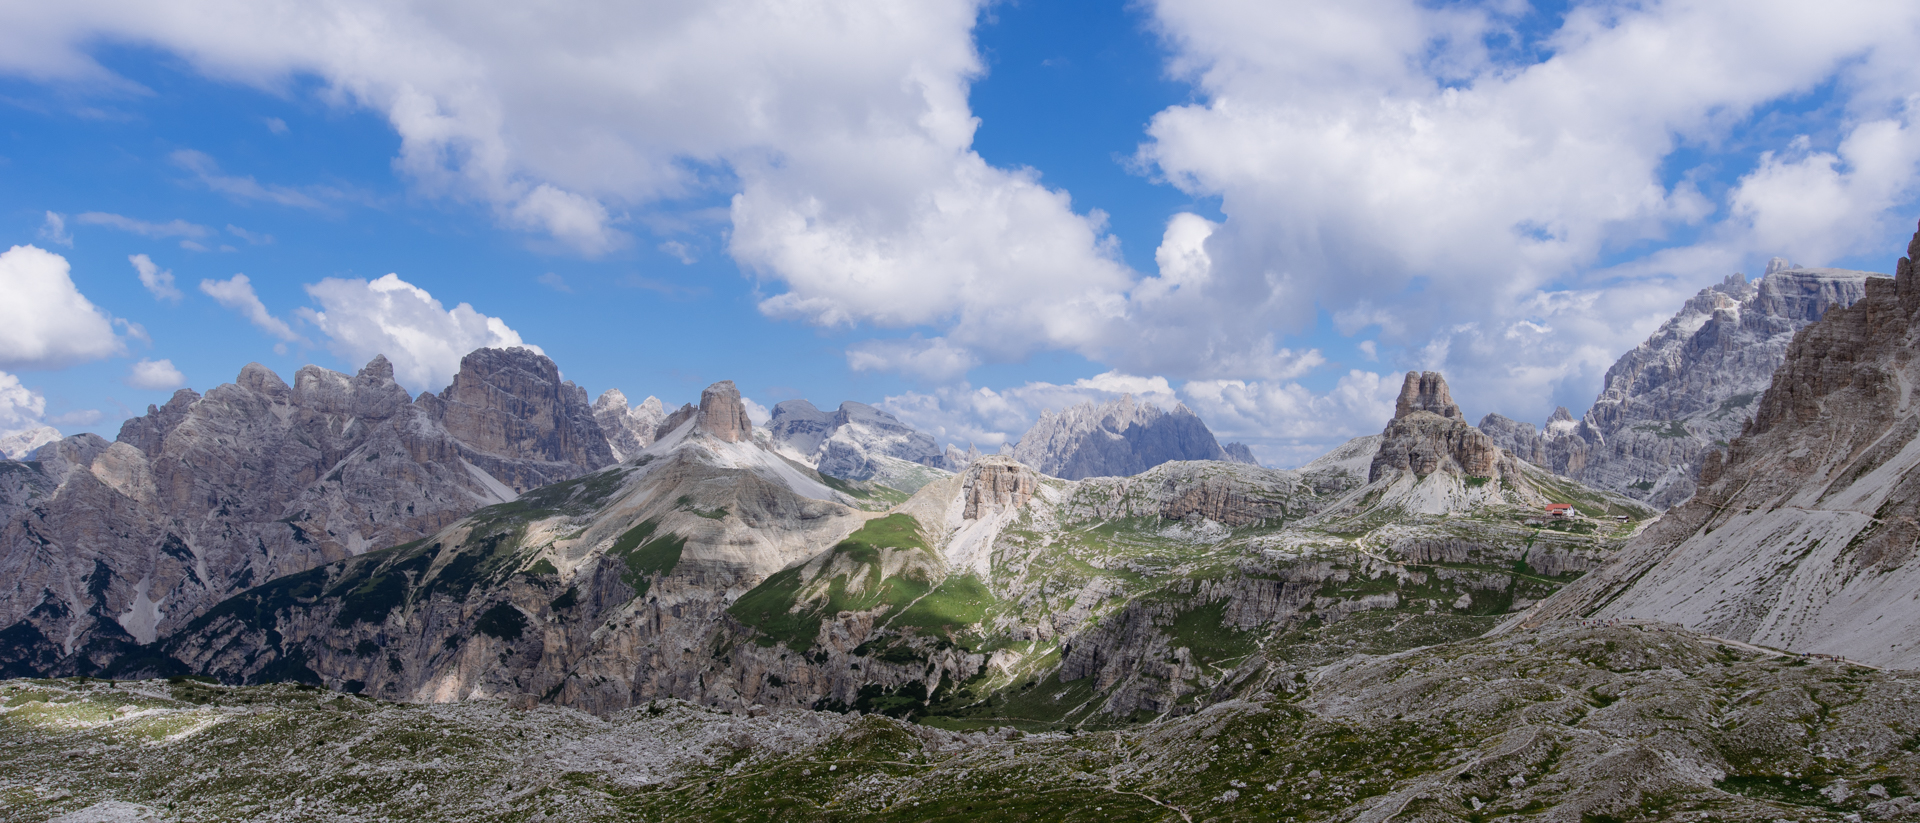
x: 143, y: 616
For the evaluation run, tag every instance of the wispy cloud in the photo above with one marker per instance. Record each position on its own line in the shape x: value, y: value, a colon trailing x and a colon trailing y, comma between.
x: 680, y: 251
x: 241, y: 188
x: 171, y: 228
x: 54, y: 230
x: 159, y: 281
x: 555, y: 282
x: 671, y: 291
x: 237, y: 293
x: 252, y: 238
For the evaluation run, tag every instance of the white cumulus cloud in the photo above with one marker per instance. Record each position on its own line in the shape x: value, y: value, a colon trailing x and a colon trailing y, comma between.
x: 20, y: 407
x: 423, y: 339
x: 155, y: 375
x: 237, y: 293
x: 45, y: 322
x: 1378, y: 162
x: 844, y: 129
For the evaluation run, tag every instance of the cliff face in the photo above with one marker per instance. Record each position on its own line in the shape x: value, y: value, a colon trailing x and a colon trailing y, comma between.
x: 1688, y: 390
x: 1114, y: 439
x: 1428, y: 435
x: 1803, y: 536
x: 105, y: 546
x: 512, y: 404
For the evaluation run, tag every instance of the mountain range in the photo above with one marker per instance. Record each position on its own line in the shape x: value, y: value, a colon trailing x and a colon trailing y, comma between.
x: 1428, y: 623
x: 1688, y: 390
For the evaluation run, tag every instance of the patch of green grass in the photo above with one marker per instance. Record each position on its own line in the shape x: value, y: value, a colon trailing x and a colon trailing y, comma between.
x: 774, y: 608
x: 959, y: 601
x: 1206, y: 636
x: 646, y: 555
x: 1665, y: 428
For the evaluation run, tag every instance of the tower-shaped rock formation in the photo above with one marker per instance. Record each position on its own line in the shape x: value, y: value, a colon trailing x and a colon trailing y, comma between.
x: 996, y: 480
x: 722, y: 414
x: 1428, y: 434
x: 1426, y: 391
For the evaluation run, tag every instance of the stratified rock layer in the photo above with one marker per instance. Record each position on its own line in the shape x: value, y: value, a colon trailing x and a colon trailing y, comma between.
x: 723, y: 415
x: 996, y: 481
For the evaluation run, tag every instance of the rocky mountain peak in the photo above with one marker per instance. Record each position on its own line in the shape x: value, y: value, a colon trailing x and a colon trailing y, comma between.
x: 1428, y: 434
x: 1426, y: 391
x: 146, y: 432
x: 377, y: 370
x: 22, y: 444
x: 856, y: 442
x: 512, y: 403
x: 722, y: 414
x: 996, y: 481
x: 1117, y: 438
x: 1691, y: 387
x: 799, y: 426
x: 628, y: 428
x: 259, y: 379
x: 1240, y: 453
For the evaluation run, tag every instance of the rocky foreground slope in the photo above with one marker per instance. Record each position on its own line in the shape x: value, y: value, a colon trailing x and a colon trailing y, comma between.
x: 1117, y: 438
x: 1566, y: 724
x: 1803, y: 536
x: 1686, y: 391
x: 105, y: 546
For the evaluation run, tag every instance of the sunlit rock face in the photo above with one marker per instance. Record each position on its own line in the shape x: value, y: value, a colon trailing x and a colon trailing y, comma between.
x: 1802, y: 535
x: 513, y: 404
x: 1688, y: 390
x: 722, y: 414
x: 108, y: 545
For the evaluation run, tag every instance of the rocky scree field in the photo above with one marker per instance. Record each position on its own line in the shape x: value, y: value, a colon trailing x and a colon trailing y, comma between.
x: 1565, y: 723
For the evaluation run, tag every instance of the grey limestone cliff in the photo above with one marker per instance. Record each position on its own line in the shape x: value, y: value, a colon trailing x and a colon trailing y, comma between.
x: 105, y: 546
x: 1686, y: 391
x: 857, y: 442
x: 628, y: 428
x: 1113, y: 439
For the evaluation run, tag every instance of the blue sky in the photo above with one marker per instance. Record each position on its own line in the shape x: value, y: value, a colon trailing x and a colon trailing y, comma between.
x: 962, y: 213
